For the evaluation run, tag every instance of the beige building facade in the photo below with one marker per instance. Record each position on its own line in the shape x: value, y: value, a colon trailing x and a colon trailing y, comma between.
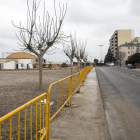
x: 118, y: 38
x: 129, y: 49
x: 136, y: 40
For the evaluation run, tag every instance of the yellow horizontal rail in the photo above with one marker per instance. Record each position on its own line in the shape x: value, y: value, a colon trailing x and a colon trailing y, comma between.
x: 17, y: 111
x: 20, y: 108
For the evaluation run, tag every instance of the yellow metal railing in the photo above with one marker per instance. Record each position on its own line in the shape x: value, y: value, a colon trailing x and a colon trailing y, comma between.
x: 38, y: 102
x: 61, y: 90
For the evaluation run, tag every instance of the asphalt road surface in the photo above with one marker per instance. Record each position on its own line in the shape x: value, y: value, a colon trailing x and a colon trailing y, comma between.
x: 120, y: 90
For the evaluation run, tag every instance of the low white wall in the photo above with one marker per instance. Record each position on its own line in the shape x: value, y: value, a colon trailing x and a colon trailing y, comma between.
x: 25, y: 64
x: 9, y: 65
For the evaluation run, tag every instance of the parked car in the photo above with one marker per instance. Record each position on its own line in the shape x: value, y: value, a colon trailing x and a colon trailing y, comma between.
x: 131, y: 66
x: 111, y: 64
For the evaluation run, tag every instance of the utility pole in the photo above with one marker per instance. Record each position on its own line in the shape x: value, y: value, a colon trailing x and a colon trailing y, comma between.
x: 101, y: 51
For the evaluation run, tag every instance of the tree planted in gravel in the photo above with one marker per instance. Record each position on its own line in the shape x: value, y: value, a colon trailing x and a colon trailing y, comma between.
x: 77, y: 56
x: 69, y: 50
x: 40, y: 35
x: 85, y: 59
x: 77, y: 53
x: 82, y: 46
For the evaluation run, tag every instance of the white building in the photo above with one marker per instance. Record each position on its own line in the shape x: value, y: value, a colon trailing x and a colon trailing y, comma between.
x: 8, y: 65
x: 25, y: 64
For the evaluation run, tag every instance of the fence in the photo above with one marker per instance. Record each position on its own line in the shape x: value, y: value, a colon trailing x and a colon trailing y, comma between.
x: 40, y: 108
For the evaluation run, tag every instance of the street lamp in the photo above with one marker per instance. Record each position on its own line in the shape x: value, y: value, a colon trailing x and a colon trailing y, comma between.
x: 101, y: 51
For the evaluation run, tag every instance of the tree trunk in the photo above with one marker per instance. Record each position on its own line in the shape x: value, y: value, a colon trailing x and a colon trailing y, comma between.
x: 80, y: 65
x: 84, y: 64
x: 40, y: 72
x: 71, y: 65
x: 77, y: 65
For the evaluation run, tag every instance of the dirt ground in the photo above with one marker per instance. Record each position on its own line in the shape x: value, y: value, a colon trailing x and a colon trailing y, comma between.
x: 20, y: 86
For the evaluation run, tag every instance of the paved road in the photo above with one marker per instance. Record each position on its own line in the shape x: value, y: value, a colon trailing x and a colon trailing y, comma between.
x: 120, y: 89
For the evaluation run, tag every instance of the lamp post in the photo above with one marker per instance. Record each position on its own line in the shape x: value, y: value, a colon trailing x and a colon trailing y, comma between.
x: 101, y: 51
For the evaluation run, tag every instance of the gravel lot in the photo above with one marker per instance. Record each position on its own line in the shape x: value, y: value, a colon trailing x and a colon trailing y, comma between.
x: 20, y: 86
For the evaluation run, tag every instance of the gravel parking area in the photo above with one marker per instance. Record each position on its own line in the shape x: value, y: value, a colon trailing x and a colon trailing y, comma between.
x: 19, y: 86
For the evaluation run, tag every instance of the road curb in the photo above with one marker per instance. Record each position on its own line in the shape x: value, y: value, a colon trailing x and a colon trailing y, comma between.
x: 102, y: 102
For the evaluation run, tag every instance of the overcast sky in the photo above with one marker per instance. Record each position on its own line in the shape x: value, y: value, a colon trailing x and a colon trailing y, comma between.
x: 94, y: 20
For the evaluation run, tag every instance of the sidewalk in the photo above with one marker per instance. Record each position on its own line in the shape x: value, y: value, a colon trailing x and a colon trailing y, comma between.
x: 85, y: 120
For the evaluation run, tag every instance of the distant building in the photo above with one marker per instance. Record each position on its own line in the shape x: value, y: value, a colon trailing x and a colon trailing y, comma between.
x: 129, y: 49
x: 5, y: 54
x: 22, y: 60
x: 118, y: 38
x: 136, y: 40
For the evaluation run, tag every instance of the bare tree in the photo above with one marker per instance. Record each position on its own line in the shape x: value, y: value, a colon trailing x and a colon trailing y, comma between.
x: 82, y: 46
x: 77, y: 53
x: 40, y: 35
x: 85, y: 59
x: 77, y: 56
x: 121, y: 56
x: 69, y: 50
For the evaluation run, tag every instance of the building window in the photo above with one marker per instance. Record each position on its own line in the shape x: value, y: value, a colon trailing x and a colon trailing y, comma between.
x: 128, y: 47
x: 133, y: 47
x: 21, y: 65
x: 128, y: 52
x: 36, y: 60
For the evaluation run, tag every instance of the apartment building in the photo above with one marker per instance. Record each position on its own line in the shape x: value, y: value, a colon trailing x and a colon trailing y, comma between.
x: 129, y: 49
x: 136, y: 40
x: 120, y: 37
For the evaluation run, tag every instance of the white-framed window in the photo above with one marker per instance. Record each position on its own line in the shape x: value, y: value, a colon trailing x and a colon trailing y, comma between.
x: 21, y: 64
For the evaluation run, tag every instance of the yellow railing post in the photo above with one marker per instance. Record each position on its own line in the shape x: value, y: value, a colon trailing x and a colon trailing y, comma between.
x: 47, y: 117
x: 48, y: 101
x: 79, y: 81
x: 71, y: 88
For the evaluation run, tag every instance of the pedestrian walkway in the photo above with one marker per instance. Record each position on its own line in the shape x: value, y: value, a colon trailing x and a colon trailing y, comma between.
x: 85, y: 120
